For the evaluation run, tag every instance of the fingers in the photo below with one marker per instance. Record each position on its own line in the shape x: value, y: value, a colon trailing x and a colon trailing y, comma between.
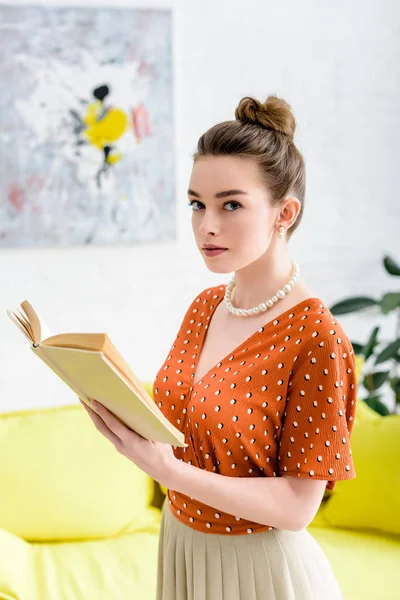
x: 115, y: 425
x: 102, y: 426
x: 89, y: 403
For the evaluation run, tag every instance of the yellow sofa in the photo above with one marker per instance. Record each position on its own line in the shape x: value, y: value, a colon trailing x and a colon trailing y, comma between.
x: 78, y: 521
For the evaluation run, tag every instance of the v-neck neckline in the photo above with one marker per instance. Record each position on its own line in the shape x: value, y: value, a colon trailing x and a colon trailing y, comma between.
x: 246, y: 341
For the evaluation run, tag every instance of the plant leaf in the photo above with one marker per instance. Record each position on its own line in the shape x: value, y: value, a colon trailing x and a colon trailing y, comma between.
x: 395, y: 385
x: 373, y: 381
x: 372, y: 342
x: 391, y: 351
x: 358, y: 348
x: 390, y: 266
x: 353, y: 304
x: 378, y: 406
x: 389, y: 302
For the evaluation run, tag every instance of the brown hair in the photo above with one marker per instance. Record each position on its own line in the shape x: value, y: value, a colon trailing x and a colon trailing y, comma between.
x: 265, y: 133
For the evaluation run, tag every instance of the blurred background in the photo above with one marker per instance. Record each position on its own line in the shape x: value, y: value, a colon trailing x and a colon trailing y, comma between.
x: 102, y: 105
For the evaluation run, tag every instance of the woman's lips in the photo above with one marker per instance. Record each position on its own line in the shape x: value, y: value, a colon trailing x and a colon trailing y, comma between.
x: 214, y: 251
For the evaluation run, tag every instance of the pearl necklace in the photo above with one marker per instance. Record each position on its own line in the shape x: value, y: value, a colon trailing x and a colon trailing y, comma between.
x: 263, y: 306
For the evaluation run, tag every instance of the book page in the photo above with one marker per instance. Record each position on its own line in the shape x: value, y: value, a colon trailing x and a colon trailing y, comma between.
x: 21, y: 324
x: 31, y: 317
x: 44, y: 329
x: 39, y: 327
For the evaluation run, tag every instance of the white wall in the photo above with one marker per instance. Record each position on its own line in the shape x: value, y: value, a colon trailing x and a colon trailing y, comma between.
x: 337, y: 65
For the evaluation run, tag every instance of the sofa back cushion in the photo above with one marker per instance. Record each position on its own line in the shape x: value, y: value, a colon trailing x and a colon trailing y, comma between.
x: 372, y: 499
x: 62, y: 479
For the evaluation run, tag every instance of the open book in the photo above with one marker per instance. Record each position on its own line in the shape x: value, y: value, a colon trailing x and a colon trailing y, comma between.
x: 93, y: 368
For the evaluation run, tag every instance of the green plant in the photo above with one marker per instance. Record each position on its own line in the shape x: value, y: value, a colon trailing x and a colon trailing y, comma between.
x: 375, y: 351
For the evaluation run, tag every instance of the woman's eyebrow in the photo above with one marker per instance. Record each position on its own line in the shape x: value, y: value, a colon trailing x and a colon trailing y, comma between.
x: 219, y: 194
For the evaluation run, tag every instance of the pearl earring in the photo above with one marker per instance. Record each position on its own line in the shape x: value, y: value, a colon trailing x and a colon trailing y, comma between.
x: 281, y: 232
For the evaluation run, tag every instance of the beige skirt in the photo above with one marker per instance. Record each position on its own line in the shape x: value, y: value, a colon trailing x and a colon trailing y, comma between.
x: 275, y: 564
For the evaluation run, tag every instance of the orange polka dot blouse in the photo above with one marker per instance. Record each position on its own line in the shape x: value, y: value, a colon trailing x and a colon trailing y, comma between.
x: 282, y: 403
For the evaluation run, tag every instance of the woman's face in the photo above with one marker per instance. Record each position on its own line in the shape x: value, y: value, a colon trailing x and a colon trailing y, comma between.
x: 241, y: 222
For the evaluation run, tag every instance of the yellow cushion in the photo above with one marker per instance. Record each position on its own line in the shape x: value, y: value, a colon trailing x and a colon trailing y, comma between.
x: 122, y: 566
x: 372, y: 499
x: 15, y: 576
x: 359, y: 366
x: 365, y: 564
x: 62, y: 479
x: 164, y: 490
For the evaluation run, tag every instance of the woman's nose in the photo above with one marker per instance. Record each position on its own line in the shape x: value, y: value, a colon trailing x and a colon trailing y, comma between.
x: 209, y: 224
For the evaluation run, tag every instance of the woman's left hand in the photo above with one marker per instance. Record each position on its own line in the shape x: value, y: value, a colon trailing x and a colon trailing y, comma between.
x: 155, y: 458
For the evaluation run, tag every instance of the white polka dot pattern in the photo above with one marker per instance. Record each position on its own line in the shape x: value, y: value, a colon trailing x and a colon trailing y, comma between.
x: 282, y: 403
x: 320, y: 410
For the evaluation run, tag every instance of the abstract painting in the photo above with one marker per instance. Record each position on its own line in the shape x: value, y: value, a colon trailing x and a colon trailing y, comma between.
x: 86, y: 126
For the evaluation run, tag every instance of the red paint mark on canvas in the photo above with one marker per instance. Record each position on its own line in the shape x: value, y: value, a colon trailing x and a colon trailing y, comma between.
x: 16, y: 197
x: 141, y: 122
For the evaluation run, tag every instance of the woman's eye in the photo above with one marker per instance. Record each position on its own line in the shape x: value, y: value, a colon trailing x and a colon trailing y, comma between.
x: 237, y: 204
x: 226, y: 203
x: 193, y: 202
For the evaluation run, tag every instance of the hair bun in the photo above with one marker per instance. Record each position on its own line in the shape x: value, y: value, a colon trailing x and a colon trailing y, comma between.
x: 274, y: 114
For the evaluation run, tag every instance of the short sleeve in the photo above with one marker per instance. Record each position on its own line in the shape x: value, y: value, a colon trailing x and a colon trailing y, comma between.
x: 320, y: 411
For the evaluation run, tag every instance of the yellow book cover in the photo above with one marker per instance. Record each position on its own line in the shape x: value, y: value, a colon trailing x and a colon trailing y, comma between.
x: 93, y: 368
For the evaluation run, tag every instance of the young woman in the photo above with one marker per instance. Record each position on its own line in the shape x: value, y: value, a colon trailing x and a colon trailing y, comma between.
x: 261, y: 380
